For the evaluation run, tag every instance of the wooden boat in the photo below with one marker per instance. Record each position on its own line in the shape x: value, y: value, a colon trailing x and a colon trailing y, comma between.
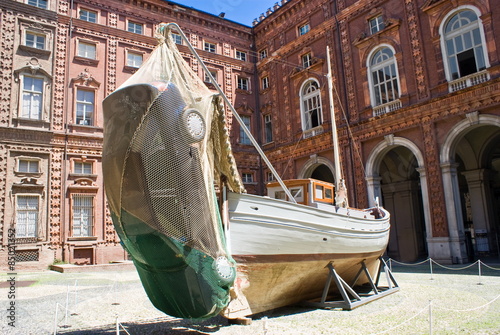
x: 165, y: 146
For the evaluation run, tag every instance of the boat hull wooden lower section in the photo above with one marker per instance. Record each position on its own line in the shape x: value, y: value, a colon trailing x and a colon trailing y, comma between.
x: 273, y: 281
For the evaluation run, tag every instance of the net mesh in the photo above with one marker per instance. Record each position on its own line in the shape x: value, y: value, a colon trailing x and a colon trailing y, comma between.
x: 172, y: 146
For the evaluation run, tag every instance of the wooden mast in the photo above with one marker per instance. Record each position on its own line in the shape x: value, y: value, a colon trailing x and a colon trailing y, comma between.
x: 340, y: 188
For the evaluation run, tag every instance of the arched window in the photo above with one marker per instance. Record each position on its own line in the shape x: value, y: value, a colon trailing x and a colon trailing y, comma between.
x: 464, y: 44
x: 310, y: 97
x: 383, y: 78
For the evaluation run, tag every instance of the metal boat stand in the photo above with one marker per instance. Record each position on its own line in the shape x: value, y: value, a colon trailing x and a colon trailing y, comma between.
x: 350, y: 298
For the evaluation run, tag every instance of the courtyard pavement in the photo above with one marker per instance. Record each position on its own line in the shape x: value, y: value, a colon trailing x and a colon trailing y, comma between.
x: 461, y: 299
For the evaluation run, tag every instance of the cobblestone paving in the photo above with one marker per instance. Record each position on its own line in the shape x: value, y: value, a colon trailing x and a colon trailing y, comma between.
x: 459, y: 302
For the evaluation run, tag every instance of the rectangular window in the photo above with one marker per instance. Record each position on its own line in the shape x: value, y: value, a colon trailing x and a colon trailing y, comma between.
x: 177, y: 38
x: 207, y: 78
x: 269, y: 176
x: 243, y: 83
x: 263, y: 54
x: 83, y: 215
x: 241, y: 55
x: 268, y: 128
x: 306, y: 60
x: 376, y: 24
x: 134, y: 27
x: 27, y: 166
x: 26, y: 215
x: 35, y: 40
x: 86, y: 50
x: 88, y: 15
x: 210, y: 47
x: 85, y: 107
x: 304, y: 29
x: 38, y: 3
x: 82, y: 168
x: 244, y: 139
x: 134, y: 59
x: 247, y: 177
x: 265, y: 83
x: 32, y: 98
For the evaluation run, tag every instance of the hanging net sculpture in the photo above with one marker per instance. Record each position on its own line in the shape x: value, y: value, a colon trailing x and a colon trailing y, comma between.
x: 164, y: 146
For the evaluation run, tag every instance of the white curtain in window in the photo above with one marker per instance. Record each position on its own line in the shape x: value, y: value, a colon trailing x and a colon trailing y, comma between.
x: 26, y: 216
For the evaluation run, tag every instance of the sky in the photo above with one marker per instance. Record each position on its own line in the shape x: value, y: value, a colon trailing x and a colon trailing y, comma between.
x: 241, y: 11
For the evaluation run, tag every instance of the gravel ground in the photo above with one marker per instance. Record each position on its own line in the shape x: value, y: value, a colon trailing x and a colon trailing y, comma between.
x: 457, y: 301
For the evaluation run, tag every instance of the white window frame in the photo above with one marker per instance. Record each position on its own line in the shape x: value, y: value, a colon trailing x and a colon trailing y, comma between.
x: 310, y: 104
x: 133, y: 57
x: 86, y: 49
x: 206, y: 78
x: 304, y: 29
x: 268, y: 128
x: 445, y: 37
x: 210, y: 47
x: 377, y: 89
x: 86, y: 115
x: 247, y: 121
x: 44, y: 4
x: 243, y: 83
x: 82, y: 214
x: 30, y: 216
x: 36, y: 40
x: 177, y: 38
x: 86, y: 15
x: 376, y: 24
x: 306, y: 60
x: 33, y: 94
x: 241, y: 55
x: 265, y: 83
x: 135, y: 27
x: 80, y: 167
x: 247, y: 177
x: 262, y: 54
x: 30, y: 163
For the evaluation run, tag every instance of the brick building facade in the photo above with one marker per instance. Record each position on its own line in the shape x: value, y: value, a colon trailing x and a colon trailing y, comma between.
x: 416, y: 100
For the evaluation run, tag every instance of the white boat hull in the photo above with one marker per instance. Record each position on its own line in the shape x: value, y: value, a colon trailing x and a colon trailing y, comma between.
x: 282, y: 249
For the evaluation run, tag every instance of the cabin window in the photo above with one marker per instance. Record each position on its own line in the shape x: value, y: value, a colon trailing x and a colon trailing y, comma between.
x: 297, y: 193
x: 463, y: 39
x: 281, y: 195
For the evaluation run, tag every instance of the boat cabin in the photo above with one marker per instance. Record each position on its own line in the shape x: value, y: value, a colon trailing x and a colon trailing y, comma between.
x: 311, y: 192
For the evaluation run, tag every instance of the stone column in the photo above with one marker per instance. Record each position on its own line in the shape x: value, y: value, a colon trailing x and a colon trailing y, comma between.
x: 454, y: 212
x: 478, y: 181
x: 373, y: 189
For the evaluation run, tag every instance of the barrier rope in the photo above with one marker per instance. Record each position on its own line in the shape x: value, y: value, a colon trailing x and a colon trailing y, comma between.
x: 471, y: 309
